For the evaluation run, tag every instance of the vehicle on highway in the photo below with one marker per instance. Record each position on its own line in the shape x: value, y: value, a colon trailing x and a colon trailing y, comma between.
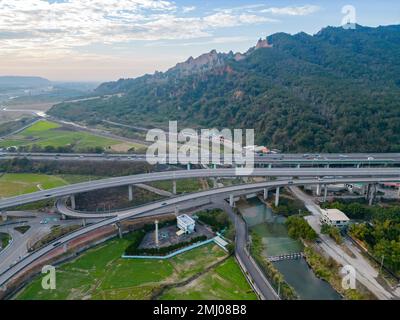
x: 56, y: 244
x: 48, y: 195
x: 343, y: 156
x: 370, y: 158
x: 290, y: 182
x: 164, y: 204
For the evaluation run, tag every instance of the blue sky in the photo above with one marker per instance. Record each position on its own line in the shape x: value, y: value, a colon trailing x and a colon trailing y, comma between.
x: 98, y: 40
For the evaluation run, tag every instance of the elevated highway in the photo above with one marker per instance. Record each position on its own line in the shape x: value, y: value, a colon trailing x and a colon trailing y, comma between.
x: 151, y: 209
x: 69, y: 190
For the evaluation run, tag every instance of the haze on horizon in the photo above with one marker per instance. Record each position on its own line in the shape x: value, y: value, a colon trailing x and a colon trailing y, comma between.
x: 95, y: 40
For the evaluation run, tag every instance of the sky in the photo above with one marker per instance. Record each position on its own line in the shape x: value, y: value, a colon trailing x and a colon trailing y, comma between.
x: 102, y: 40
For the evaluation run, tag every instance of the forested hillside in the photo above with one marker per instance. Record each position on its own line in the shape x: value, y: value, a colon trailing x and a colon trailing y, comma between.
x: 335, y: 91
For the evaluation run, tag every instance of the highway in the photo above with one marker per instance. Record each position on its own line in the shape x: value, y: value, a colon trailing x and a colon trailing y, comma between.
x: 150, y: 209
x: 393, y: 173
x: 276, y: 159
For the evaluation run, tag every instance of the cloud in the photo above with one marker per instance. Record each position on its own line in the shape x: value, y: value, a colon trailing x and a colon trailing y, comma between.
x: 37, y: 27
x: 188, y: 9
x: 292, y: 11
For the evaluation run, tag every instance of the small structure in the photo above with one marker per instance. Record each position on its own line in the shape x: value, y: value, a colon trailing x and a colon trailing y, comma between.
x: 334, y: 217
x: 185, y: 223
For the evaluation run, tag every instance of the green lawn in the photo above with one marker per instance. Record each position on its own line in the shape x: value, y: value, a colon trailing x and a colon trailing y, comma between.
x: 12, y: 184
x: 225, y: 282
x: 46, y: 133
x: 100, y: 273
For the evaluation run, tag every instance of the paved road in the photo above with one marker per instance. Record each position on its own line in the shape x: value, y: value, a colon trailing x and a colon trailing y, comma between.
x: 379, y: 174
x: 273, y: 159
x: 365, y: 273
x: 262, y: 284
x: 148, y: 210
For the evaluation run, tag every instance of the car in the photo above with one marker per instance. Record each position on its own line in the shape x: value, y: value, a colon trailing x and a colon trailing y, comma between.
x: 164, y: 204
x: 370, y: 158
x: 343, y: 156
x: 48, y: 195
x: 56, y: 244
x: 290, y: 182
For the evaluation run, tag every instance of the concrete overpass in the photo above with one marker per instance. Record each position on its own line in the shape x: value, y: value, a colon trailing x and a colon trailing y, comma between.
x: 151, y: 209
x: 324, y: 159
x: 70, y: 190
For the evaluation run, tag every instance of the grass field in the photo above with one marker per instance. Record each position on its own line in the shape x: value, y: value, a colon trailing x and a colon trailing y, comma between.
x: 46, y: 133
x: 12, y: 184
x: 185, y: 185
x: 100, y: 273
x: 224, y: 282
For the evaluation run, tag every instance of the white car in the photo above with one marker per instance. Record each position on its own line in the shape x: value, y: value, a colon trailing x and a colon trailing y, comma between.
x: 370, y: 158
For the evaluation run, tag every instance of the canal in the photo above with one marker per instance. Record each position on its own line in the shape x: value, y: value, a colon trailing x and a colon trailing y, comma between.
x: 271, y: 227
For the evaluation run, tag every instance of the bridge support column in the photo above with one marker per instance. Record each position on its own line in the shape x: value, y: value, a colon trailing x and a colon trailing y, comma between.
x: 298, y: 166
x: 174, y: 186
x: 215, y: 166
x: 130, y: 192
x: 358, y: 165
x: 188, y: 166
x: 318, y: 192
x: 231, y: 201
x: 119, y: 230
x: 4, y: 215
x: 266, y: 193
x: 73, y: 204
x: 327, y: 166
x: 65, y: 247
x: 325, y: 192
x: 215, y: 183
x: 270, y: 166
x: 372, y: 194
x: 84, y: 222
x: 156, y: 232
x: 177, y: 210
x: 277, y: 196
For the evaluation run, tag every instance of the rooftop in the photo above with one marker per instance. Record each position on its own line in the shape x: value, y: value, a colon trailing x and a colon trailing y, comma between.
x: 335, y: 215
x: 185, y: 219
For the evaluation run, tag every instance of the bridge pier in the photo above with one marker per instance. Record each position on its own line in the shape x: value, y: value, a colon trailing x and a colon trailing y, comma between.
x: 215, y: 183
x: 318, y: 192
x: 188, y: 166
x: 3, y: 215
x: 372, y: 194
x: 73, y: 204
x: 270, y: 166
x: 231, y: 201
x: 325, y: 192
x: 176, y: 210
x: 277, y: 196
x: 298, y: 166
x: 215, y: 166
x: 327, y: 166
x: 130, y: 192
x: 266, y: 193
x: 119, y: 230
x: 65, y: 247
x: 174, y: 186
x: 84, y: 222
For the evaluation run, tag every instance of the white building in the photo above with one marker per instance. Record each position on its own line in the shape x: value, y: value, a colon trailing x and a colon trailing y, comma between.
x: 185, y: 223
x: 334, y: 217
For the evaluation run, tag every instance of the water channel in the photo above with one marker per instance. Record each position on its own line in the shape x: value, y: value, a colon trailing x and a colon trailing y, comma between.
x: 271, y: 227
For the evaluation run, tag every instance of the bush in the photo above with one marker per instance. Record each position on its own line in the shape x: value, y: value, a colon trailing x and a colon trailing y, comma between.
x: 299, y: 228
x: 333, y: 232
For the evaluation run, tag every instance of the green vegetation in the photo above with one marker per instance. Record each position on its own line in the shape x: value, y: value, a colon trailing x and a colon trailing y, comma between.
x: 380, y: 233
x: 333, y: 232
x: 82, y: 168
x: 323, y: 92
x: 22, y: 229
x: 46, y: 136
x: 182, y: 185
x: 273, y: 275
x: 224, y: 282
x: 5, y: 239
x: 12, y: 184
x: 101, y: 273
x: 288, y: 206
x: 56, y: 232
x: 219, y: 221
x: 328, y: 270
x: 298, y: 228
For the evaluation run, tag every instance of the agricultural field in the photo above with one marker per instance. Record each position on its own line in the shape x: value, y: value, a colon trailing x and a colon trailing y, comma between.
x: 13, y: 184
x: 101, y: 273
x: 226, y: 281
x: 50, y: 134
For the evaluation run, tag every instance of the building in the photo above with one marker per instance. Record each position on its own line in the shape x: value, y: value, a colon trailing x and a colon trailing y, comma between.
x: 185, y: 223
x: 334, y: 217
